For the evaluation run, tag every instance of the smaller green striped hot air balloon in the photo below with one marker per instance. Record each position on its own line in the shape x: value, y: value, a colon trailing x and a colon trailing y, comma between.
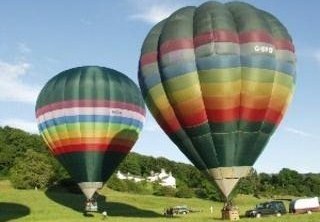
x: 90, y: 118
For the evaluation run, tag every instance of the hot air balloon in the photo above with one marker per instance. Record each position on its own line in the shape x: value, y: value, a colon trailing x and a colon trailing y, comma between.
x: 218, y: 79
x: 90, y: 118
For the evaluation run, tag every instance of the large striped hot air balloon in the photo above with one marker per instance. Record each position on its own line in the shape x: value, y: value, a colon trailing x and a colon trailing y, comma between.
x: 218, y: 79
x: 90, y: 118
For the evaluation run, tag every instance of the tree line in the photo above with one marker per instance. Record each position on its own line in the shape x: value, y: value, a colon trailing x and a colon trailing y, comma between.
x: 27, y: 163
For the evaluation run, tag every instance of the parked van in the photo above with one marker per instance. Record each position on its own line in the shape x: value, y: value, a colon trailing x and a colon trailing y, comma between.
x: 304, y: 205
x: 267, y: 208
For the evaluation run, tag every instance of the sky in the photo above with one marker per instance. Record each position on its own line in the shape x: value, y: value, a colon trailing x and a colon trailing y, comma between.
x: 39, y: 39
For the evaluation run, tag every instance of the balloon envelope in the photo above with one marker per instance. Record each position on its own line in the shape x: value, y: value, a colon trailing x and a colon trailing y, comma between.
x: 218, y: 79
x: 90, y: 118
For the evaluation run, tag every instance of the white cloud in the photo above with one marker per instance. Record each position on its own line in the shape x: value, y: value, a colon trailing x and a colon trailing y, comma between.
x: 28, y: 126
x: 153, y: 11
x: 299, y: 132
x: 12, y: 87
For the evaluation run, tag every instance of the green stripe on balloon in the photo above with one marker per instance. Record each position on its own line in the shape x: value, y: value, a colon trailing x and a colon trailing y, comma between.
x: 91, y: 166
x: 77, y: 84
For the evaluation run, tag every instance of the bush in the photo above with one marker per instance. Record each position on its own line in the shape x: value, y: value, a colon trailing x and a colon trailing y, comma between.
x: 32, y: 170
x: 129, y: 186
x: 163, y: 191
x: 184, y: 192
x: 117, y: 184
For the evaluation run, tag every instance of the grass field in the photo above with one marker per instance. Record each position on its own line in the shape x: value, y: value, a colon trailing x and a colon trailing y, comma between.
x: 54, y: 205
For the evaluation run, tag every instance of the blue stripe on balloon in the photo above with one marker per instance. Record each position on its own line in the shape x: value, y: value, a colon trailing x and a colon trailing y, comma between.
x: 177, y: 69
x: 268, y: 62
x: 89, y: 118
x: 152, y: 80
x: 219, y: 62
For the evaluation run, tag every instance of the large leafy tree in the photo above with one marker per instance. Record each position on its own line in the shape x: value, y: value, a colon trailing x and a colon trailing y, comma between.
x: 32, y: 170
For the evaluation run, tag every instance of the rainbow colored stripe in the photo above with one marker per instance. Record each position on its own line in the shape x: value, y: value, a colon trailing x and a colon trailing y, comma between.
x: 89, y: 125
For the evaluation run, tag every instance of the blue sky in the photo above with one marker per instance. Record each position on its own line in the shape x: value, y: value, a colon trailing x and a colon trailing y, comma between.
x: 39, y: 39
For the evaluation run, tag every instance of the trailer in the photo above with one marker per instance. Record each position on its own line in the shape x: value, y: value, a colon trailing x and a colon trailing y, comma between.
x: 304, y: 205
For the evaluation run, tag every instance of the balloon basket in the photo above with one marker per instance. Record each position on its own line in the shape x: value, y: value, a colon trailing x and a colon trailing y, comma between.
x: 230, y: 212
x: 91, y: 205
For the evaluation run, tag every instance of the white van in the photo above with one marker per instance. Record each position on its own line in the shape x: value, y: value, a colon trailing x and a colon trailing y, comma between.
x: 304, y: 205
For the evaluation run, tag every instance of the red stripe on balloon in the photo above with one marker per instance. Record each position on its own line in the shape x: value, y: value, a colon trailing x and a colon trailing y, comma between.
x: 273, y: 116
x: 257, y: 115
x: 193, y: 119
x: 148, y: 58
x: 176, y: 44
x: 93, y: 140
x: 89, y: 103
x: 223, y: 115
x: 169, y: 126
x: 216, y: 36
x: 284, y: 44
x: 220, y: 116
x: 243, y: 113
x: 263, y: 36
x: 91, y: 147
x: 254, y: 115
x: 255, y: 36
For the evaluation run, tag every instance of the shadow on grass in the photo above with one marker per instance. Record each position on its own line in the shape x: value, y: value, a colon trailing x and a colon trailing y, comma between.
x: 76, y: 202
x: 11, y: 211
x: 220, y: 218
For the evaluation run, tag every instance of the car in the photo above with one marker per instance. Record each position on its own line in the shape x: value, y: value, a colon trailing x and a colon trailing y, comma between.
x: 169, y: 212
x: 181, y: 210
x: 267, y: 208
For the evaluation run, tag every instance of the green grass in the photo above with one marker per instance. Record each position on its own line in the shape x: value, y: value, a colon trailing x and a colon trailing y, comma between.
x: 54, y: 205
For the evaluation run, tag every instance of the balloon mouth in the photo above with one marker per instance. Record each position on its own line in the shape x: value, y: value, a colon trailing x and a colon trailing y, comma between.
x: 89, y: 188
x: 226, y: 178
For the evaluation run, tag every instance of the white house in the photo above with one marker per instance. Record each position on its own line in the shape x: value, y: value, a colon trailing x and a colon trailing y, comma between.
x: 164, y: 178
x: 121, y: 176
x: 128, y: 176
x: 168, y: 181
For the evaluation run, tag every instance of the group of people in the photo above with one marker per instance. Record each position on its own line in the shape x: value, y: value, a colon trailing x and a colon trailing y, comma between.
x: 91, y: 205
x: 169, y: 212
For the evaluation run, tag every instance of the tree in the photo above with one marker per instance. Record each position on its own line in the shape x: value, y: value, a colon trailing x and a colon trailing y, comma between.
x: 184, y: 192
x: 32, y: 170
x: 14, y: 143
x: 117, y: 184
x: 163, y: 191
x: 131, y: 165
x: 249, y: 184
x: 287, y: 176
x: 7, y: 156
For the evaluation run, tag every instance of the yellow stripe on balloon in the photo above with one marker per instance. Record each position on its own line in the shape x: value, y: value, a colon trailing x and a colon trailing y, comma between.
x: 188, y: 107
x: 190, y: 93
x: 182, y: 82
x: 221, y: 89
x: 222, y: 102
x: 80, y: 129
